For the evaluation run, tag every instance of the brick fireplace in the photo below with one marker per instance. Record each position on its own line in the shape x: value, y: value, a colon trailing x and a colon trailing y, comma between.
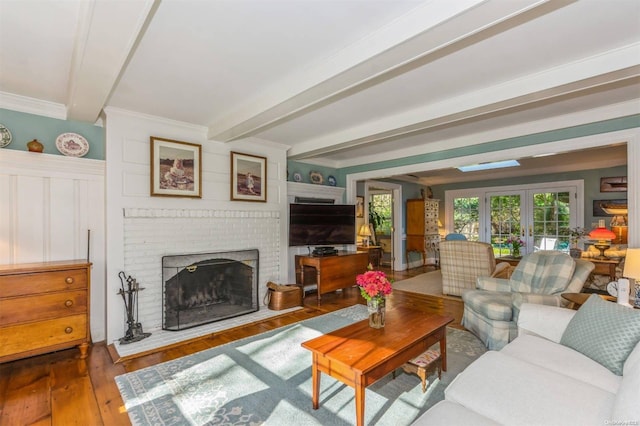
x: 151, y: 234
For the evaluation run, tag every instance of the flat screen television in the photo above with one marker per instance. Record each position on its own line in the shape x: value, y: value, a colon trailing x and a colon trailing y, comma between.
x: 322, y: 224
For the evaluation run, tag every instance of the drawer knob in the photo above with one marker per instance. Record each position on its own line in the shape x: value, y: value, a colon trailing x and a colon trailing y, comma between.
x: 68, y: 330
x: 69, y: 280
x: 68, y: 303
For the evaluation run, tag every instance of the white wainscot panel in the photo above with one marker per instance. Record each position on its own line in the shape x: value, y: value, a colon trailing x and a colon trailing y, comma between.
x: 135, y: 151
x: 135, y: 184
x: 31, y: 206
x: 63, y: 219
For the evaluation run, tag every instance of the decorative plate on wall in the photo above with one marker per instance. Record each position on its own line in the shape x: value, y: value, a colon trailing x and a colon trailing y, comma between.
x: 297, y: 177
x: 72, y: 145
x: 5, y: 136
x: 331, y: 180
x: 316, y: 178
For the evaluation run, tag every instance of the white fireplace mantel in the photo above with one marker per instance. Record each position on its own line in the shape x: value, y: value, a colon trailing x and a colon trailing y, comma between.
x: 295, y: 189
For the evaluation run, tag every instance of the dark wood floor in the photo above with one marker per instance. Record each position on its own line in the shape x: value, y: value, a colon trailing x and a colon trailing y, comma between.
x: 60, y: 389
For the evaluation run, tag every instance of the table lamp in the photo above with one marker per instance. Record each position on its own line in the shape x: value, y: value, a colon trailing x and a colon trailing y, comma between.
x: 619, y: 220
x: 603, y: 238
x: 366, y: 233
x: 632, y: 270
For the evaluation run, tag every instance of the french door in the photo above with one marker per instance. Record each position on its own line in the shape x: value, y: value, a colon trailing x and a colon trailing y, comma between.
x: 539, y: 214
x: 541, y: 218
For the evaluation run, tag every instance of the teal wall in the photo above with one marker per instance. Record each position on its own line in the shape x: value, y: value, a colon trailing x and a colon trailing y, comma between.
x: 600, y: 127
x: 26, y: 127
x: 304, y: 169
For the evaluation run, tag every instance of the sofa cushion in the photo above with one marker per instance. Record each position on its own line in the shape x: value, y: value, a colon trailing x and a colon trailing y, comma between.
x: 491, y: 304
x: 447, y: 413
x: 604, y: 331
x: 542, y: 272
x: 626, y: 407
x: 562, y: 360
x: 515, y: 392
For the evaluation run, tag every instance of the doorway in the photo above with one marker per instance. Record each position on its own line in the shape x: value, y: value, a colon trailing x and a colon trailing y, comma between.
x: 383, y: 207
x: 381, y: 219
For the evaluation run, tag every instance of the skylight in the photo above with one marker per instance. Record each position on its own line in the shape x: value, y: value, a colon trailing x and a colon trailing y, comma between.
x: 489, y: 166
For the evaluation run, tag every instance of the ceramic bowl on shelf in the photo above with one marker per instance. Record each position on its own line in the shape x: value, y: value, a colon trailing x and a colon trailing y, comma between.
x: 316, y: 178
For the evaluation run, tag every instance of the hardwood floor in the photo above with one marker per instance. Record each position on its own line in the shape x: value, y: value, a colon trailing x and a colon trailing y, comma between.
x: 60, y: 389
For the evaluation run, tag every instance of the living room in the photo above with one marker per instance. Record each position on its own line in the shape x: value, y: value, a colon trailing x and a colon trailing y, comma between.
x: 56, y: 199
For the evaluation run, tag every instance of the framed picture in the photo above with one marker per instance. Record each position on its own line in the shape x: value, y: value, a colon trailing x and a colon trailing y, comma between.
x: 613, y: 184
x: 176, y: 168
x: 598, y: 204
x: 359, y: 206
x: 248, y: 177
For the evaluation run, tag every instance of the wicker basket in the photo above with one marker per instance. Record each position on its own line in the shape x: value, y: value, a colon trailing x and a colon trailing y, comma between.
x: 283, y: 296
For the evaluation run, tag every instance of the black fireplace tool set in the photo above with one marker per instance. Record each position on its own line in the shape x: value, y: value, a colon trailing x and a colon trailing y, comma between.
x: 130, y: 297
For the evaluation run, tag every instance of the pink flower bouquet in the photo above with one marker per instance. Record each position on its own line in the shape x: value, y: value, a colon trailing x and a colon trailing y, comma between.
x: 373, y: 285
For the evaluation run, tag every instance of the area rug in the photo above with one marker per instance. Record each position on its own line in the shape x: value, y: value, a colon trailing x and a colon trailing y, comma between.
x: 428, y: 283
x: 266, y: 379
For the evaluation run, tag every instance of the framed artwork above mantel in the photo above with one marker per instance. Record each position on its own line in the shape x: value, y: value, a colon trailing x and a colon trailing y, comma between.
x: 176, y: 168
x: 248, y: 177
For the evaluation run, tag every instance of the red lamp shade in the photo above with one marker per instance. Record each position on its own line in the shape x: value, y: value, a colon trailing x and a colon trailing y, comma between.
x: 603, y: 237
x: 602, y: 234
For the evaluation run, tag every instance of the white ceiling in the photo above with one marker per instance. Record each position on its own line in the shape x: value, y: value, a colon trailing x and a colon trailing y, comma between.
x: 342, y: 82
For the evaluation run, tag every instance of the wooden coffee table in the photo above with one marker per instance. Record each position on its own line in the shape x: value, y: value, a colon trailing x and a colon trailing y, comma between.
x: 359, y: 355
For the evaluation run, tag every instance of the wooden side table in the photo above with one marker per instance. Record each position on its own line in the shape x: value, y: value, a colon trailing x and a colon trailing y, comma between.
x: 513, y: 261
x: 375, y: 254
x: 604, y: 266
x: 578, y: 299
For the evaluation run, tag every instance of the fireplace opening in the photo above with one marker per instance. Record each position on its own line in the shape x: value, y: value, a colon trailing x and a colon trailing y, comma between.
x: 203, y: 288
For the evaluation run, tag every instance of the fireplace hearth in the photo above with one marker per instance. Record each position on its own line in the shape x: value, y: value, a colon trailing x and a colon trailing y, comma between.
x: 203, y: 288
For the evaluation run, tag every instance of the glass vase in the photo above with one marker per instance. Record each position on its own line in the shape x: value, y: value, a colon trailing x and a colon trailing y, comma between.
x: 515, y: 252
x: 375, y: 307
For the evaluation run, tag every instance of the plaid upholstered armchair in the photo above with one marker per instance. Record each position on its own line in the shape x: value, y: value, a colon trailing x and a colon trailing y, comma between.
x: 491, y: 311
x: 462, y: 262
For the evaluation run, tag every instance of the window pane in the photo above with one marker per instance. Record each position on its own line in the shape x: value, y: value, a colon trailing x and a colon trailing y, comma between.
x: 505, y: 221
x: 466, y: 216
x: 551, y: 219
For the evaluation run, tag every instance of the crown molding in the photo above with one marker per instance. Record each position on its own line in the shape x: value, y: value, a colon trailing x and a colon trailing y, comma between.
x: 113, y: 111
x: 32, y: 106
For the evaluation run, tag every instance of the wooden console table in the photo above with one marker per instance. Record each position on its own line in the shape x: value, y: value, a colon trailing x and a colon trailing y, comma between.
x: 602, y: 266
x: 331, y: 272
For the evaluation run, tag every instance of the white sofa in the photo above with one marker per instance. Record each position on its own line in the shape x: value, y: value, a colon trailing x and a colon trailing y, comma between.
x: 535, y: 380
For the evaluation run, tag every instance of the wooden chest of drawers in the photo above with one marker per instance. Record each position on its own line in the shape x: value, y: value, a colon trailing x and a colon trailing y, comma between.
x: 44, y: 307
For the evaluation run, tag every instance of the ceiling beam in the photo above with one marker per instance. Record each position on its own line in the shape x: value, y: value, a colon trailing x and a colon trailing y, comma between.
x: 399, y: 47
x: 108, y: 32
x: 614, y: 66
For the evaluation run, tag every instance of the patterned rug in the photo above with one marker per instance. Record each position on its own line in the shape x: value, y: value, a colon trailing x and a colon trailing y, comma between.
x: 266, y: 379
